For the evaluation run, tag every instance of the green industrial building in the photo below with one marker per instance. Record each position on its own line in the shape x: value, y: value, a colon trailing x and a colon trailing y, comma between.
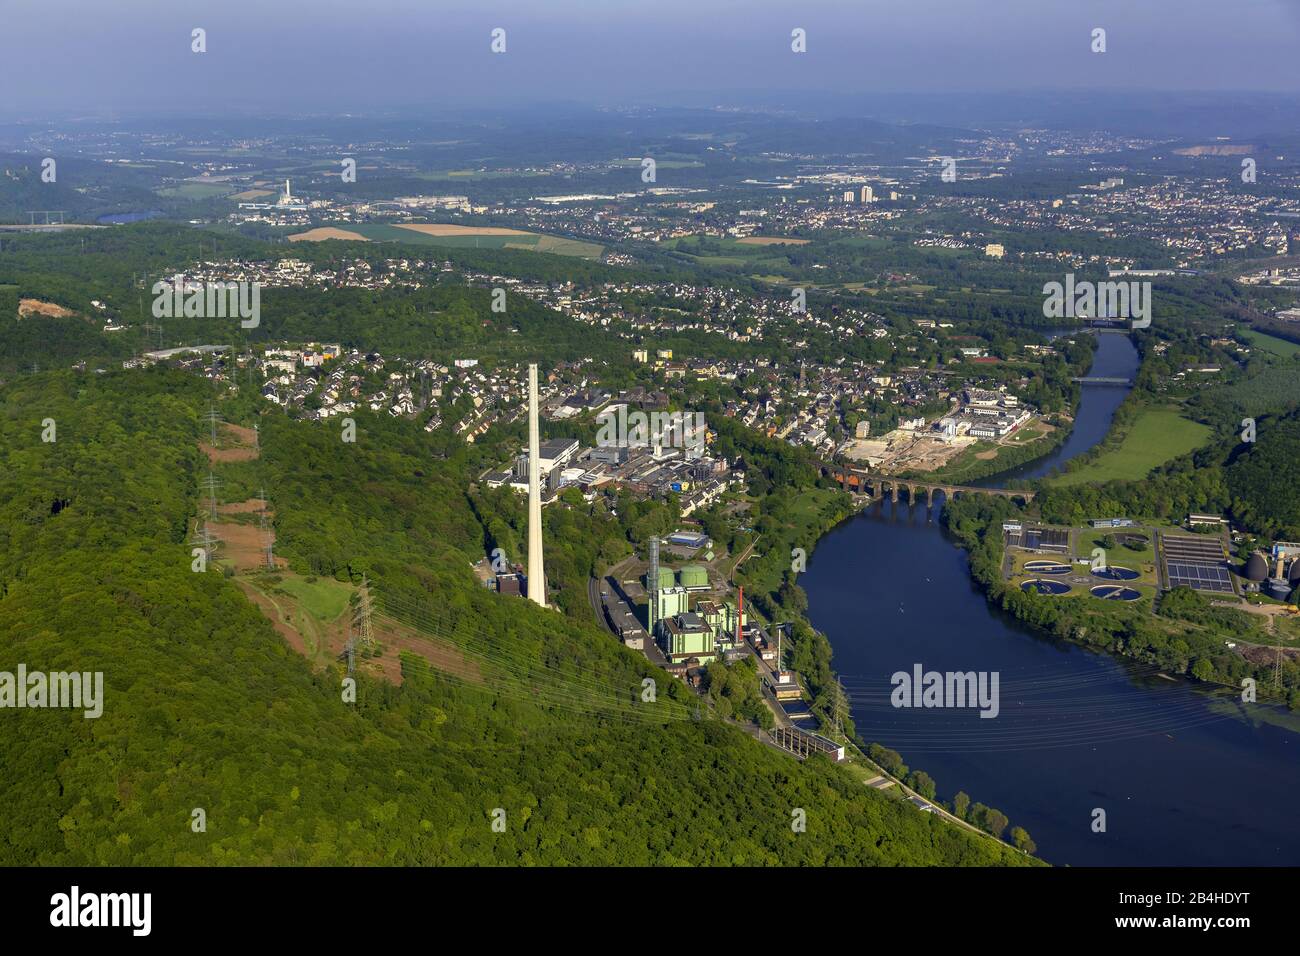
x: 704, y: 632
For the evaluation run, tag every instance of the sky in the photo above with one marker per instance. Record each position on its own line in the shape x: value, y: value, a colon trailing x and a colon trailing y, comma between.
x: 133, y: 57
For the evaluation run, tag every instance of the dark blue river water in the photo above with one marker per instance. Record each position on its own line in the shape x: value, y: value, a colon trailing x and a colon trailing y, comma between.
x: 1184, y: 776
x: 1115, y: 358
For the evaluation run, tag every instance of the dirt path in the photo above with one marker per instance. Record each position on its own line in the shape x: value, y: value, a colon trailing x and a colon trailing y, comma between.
x: 276, y: 615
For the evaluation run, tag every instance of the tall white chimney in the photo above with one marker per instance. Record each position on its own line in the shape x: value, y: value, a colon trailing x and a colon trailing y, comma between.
x: 536, y: 574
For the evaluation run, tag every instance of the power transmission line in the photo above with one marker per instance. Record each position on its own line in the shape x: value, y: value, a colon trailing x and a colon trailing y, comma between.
x: 213, y: 418
x: 207, y: 541
x: 361, y: 620
x: 268, y: 536
x: 152, y: 327
x: 210, y: 485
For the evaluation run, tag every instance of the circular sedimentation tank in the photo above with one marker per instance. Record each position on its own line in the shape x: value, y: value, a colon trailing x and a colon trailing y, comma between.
x: 1115, y: 572
x: 1047, y: 567
x: 1046, y: 587
x: 1113, y: 592
x: 1133, y: 538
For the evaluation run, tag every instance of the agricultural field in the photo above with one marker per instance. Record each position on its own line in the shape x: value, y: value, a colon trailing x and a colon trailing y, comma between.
x: 1272, y: 344
x: 453, y: 175
x: 772, y: 241
x: 321, y: 233
x: 474, y: 237
x: 1157, y: 436
x: 195, y: 191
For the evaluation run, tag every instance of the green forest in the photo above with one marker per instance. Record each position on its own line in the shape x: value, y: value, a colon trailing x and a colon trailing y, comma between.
x: 207, y: 708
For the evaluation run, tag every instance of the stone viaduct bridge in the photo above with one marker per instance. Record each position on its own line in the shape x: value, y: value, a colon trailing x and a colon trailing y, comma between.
x: 877, y: 486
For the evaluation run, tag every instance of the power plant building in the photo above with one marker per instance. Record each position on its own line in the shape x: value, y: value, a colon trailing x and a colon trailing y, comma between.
x: 687, y: 635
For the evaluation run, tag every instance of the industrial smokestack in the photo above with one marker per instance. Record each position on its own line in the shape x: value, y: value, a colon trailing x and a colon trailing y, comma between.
x: 652, y: 582
x: 740, y: 619
x: 536, y: 574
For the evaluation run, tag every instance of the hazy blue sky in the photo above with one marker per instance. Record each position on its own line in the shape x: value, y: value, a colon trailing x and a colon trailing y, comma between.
x: 129, y: 56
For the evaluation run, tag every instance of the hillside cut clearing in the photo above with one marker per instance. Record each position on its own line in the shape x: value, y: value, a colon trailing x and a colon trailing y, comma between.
x: 237, y: 444
x: 37, y: 307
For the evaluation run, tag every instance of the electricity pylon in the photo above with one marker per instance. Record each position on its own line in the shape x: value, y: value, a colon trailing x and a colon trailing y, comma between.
x: 210, y: 486
x: 361, y: 617
x: 213, y: 418
x: 268, y: 536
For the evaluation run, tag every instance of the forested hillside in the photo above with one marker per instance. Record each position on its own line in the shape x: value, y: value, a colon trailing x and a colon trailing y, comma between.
x: 206, y: 707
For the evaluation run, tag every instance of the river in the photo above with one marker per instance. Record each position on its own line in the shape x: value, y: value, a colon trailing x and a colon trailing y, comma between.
x: 1184, y: 776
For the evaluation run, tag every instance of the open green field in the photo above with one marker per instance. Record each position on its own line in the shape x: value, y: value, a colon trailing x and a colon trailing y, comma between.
x: 1157, y: 436
x: 195, y: 191
x: 989, y: 457
x: 531, y: 242
x: 659, y: 164
x: 310, y: 614
x: 323, y: 598
x: 751, y: 251
x: 1271, y: 343
x: 477, y: 174
x: 1117, y: 553
x: 1031, y: 432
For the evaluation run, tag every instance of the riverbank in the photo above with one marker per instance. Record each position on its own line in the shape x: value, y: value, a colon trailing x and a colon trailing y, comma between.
x: 1079, y: 731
